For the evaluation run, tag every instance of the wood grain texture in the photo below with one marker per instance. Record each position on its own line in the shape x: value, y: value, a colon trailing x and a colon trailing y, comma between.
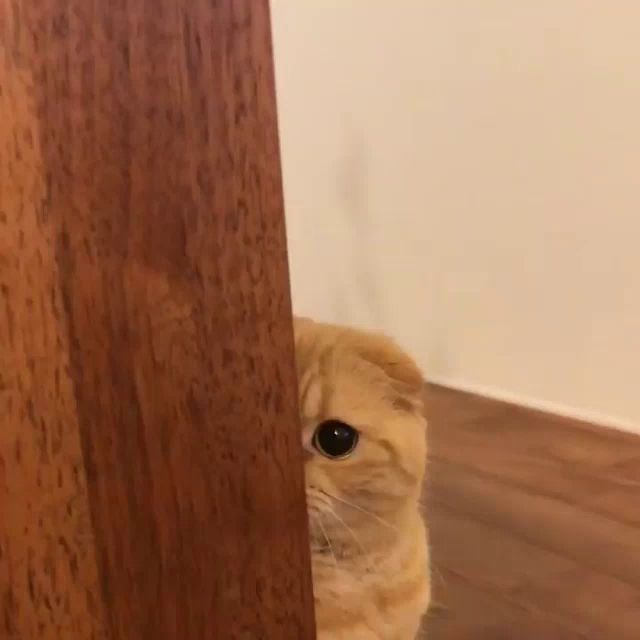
x: 150, y: 476
x: 534, y: 522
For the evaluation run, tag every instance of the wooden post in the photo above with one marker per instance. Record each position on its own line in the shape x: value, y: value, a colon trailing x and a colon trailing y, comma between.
x: 151, y: 479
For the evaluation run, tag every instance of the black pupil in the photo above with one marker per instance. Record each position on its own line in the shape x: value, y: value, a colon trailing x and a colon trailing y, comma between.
x: 335, y: 439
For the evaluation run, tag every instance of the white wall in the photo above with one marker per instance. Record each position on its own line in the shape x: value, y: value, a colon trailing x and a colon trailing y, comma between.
x: 466, y: 176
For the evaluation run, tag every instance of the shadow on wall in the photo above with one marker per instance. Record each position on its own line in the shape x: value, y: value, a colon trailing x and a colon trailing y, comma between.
x: 361, y: 294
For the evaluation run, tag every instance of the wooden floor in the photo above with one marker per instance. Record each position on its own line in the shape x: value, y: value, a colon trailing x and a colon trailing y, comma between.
x: 535, y: 524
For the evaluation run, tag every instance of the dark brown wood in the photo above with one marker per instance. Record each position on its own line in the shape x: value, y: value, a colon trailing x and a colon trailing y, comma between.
x: 151, y: 480
x: 534, y: 522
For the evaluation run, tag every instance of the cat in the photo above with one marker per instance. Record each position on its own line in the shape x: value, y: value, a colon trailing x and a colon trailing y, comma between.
x: 364, y: 438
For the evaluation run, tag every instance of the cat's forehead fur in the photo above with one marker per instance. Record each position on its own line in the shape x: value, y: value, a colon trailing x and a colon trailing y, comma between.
x: 318, y: 343
x: 353, y: 362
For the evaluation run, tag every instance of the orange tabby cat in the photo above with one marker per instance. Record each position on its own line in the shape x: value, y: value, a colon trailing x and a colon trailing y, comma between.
x: 364, y: 434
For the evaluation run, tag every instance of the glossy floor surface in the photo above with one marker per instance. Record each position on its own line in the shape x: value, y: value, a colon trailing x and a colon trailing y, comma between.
x: 535, y: 524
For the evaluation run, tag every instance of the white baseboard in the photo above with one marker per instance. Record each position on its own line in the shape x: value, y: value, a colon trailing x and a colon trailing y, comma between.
x: 592, y: 417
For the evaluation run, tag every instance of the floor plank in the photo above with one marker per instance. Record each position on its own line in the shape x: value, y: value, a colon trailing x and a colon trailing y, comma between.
x: 475, y: 614
x: 535, y: 524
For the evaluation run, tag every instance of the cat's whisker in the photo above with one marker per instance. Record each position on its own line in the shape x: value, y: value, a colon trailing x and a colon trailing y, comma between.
x: 326, y: 537
x: 436, y: 572
x: 363, y: 510
x: 349, y: 530
x: 365, y: 553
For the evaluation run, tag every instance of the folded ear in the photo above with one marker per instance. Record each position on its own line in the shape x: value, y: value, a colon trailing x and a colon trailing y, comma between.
x: 402, y: 371
x: 387, y: 355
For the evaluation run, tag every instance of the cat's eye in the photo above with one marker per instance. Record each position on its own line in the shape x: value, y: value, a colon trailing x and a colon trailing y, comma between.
x: 335, y: 439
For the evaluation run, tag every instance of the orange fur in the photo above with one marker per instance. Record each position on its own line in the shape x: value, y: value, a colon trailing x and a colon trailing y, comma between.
x: 368, y: 540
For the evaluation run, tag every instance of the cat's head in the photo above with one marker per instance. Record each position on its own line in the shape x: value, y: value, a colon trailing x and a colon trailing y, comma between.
x: 363, y: 430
